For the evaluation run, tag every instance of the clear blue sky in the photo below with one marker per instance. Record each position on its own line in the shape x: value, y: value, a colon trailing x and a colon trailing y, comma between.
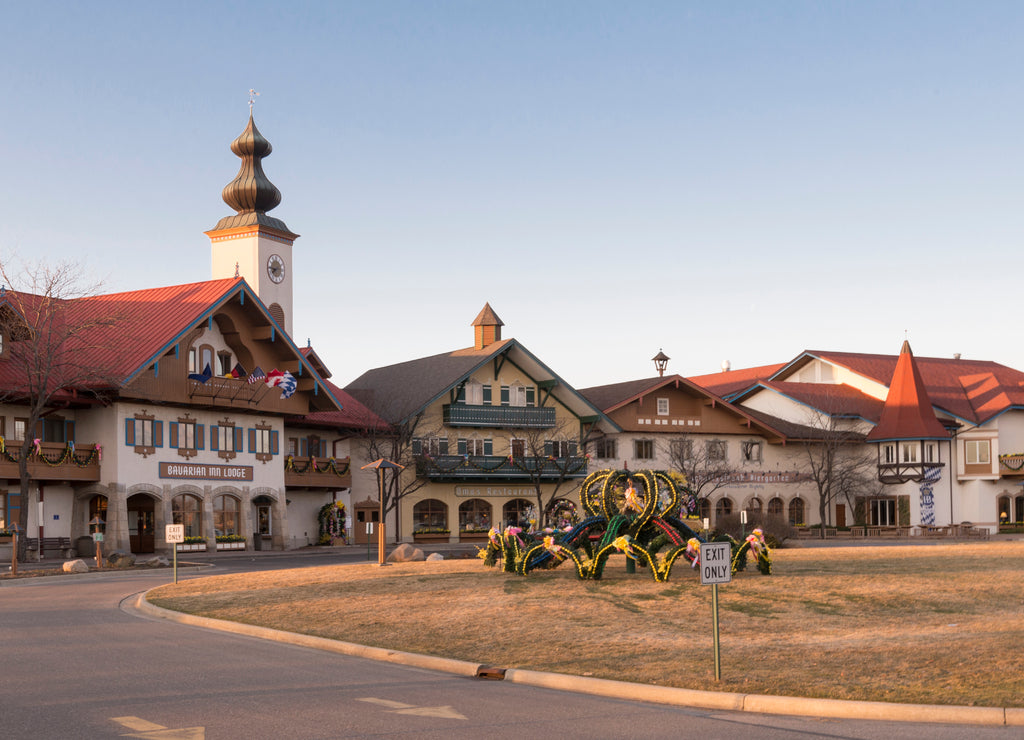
x: 721, y: 180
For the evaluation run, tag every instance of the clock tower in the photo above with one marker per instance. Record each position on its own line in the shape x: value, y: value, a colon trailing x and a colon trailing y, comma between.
x: 252, y: 244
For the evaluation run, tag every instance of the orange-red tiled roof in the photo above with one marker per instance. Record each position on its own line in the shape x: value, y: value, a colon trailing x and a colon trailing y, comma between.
x: 908, y: 412
x: 726, y: 383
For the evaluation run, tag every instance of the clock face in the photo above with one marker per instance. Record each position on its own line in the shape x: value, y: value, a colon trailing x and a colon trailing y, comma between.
x: 275, y: 268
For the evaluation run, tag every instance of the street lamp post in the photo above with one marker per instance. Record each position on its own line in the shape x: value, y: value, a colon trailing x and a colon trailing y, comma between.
x: 380, y: 466
x: 97, y: 537
x: 14, y: 551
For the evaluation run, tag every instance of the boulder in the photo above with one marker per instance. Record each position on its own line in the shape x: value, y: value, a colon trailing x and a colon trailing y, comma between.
x: 406, y: 553
x: 435, y: 556
x: 75, y: 566
x: 156, y: 562
x: 118, y: 559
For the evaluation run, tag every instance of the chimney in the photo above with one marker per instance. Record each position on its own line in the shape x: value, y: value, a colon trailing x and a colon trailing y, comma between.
x: 486, y: 328
x: 726, y: 366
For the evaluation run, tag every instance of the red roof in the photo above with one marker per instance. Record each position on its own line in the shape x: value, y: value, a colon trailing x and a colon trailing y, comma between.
x: 830, y: 398
x: 726, y: 383
x: 908, y: 412
x: 353, y: 415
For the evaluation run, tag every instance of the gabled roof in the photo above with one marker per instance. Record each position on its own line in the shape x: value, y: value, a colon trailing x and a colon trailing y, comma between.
x: 353, y: 415
x: 972, y: 390
x: 399, y: 392
x: 829, y: 398
x: 727, y: 384
x: 908, y: 412
x: 611, y: 397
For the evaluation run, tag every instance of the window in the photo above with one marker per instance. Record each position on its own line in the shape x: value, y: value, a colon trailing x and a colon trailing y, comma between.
x: 223, y: 363
x: 193, y: 360
x: 474, y: 516
x: 751, y: 451
x: 662, y: 407
x: 976, y: 451
x: 643, y: 449
x: 144, y: 433
x: 560, y: 448
x: 882, y: 512
x: 606, y: 449
x: 293, y: 446
x: 716, y: 450
x: 775, y: 507
x: 518, y: 447
x: 431, y: 446
x: 188, y: 509
x: 931, y: 452
x: 263, y: 442
x: 755, y: 505
x: 225, y: 515
x: 19, y: 428
x: 909, y: 452
x: 205, y: 358
x: 796, y: 511
x: 517, y: 513
x: 475, y: 447
x: 3, y: 510
x: 474, y: 393
x: 430, y: 514
x: 226, y: 439
x: 682, y: 449
x: 723, y: 507
x: 888, y: 454
x: 186, y: 436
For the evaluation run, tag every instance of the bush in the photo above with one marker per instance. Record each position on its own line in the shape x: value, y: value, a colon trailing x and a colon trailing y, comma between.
x: 777, y: 529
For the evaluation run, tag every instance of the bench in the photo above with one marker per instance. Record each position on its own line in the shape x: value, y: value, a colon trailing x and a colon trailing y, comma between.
x: 51, y: 544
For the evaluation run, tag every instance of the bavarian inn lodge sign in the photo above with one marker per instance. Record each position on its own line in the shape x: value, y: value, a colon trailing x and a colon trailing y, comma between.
x: 202, y: 471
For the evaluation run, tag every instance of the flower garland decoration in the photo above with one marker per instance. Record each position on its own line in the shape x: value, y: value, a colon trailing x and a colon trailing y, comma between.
x: 1016, y: 464
x: 332, y: 523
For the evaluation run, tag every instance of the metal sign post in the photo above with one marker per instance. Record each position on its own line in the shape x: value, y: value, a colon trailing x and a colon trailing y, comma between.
x: 715, y: 568
x: 174, y: 534
x: 369, y: 542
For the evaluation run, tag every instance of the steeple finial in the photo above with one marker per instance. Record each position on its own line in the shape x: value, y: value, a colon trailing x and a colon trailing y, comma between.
x: 252, y: 99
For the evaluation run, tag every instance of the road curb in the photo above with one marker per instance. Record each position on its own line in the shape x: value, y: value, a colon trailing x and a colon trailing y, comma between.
x: 718, y: 700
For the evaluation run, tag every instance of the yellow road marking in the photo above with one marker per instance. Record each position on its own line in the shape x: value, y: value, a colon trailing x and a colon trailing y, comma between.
x: 398, y: 707
x: 137, y: 723
x: 388, y: 703
x: 145, y: 729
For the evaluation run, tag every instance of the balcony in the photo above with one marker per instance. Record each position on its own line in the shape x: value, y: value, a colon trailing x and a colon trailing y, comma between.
x: 312, y: 472
x: 518, y: 417
x: 1011, y: 464
x: 462, y: 467
x: 52, y: 461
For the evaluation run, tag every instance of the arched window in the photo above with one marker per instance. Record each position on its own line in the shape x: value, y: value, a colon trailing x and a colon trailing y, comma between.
x: 723, y: 507
x: 225, y: 515
x: 562, y: 513
x: 516, y: 513
x: 796, y: 511
x: 704, y: 509
x: 755, y: 505
x: 474, y: 515
x: 430, y: 515
x: 188, y: 510
x: 776, y: 507
x: 1018, y: 509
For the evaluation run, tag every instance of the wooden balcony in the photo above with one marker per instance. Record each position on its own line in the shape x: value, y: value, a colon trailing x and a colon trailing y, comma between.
x: 505, y: 417
x: 1010, y: 465
x: 53, y: 461
x: 312, y: 472
x: 462, y: 467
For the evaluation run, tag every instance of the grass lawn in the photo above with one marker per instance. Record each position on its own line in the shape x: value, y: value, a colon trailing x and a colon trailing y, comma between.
x: 940, y: 624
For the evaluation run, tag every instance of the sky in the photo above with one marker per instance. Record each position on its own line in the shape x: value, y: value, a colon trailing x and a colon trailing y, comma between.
x: 718, y: 180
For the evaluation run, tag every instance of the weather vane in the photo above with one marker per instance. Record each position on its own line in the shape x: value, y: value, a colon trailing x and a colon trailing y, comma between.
x: 252, y: 99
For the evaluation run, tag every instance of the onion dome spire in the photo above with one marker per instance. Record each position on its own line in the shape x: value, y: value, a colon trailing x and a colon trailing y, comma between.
x: 251, y: 193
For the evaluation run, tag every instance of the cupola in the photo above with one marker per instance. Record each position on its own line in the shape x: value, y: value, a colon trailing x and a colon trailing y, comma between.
x: 486, y: 327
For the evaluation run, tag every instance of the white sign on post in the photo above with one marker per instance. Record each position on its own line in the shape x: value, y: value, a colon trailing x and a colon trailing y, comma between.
x: 715, y: 565
x: 174, y: 534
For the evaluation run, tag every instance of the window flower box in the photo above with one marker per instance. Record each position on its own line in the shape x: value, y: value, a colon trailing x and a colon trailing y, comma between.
x: 473, y: 535
x: 431, y: 534
x: 230, y: 542
x: 191, y: 547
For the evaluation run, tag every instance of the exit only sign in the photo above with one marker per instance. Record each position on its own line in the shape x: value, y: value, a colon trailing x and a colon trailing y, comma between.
x: 715, y: 563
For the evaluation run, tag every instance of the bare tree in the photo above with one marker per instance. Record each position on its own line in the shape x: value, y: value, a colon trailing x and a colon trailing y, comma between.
x: 55, y: 349
x: 394, y: 442
x: 838, y: 461
x: 703, y: 461
x: 551, y: 460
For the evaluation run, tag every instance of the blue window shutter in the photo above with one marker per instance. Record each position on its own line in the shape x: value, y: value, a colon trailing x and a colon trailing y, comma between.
x: 487, y: 395
x: 504, y: 395
x: 461, y: 397
x: 275, y: 442
x: 129, y: 432
x: 531, y: 396
x: 488, y: 447
x: 172, y: 427
x: 462, y: 447
x: 214, y: 437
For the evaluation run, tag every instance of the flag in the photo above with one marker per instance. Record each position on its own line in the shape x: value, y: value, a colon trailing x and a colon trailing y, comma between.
x: 257, y: 374
x: 273, y: 377
x: 287, y: 385
x: 238, y: 371
x: 203, y: 376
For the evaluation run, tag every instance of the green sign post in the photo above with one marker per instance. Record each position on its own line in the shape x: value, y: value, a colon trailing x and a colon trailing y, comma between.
x: 715, y: 568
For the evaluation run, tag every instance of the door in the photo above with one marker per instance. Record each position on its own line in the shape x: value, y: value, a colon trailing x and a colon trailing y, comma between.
x: 363, y: 518
x: 840, y: 515
x: 141, y: 524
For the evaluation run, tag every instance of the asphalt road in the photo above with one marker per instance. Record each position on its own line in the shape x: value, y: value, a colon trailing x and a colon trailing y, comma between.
x: 75, y: 664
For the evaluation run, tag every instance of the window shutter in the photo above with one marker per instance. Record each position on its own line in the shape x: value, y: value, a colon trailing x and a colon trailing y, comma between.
x: 417, y: 447
x: 129, y: 432
x: 172, y: 427
x: 214, y: 437
x: 303, y: 447
x: 442, y: 446
x: 461, y: 397
x: 486, y: 395
x: 488, y: 447
x: 275, y: 442
x: 549, y: 447
x: 572, y: 449
x: 158, y: 434
x: 69, y: 431
x: 504, y: 395
x: 252, y: 440
x: 200, y: 441
x: 239, y: 439
x: 462, y: 447
x: 531, y: 396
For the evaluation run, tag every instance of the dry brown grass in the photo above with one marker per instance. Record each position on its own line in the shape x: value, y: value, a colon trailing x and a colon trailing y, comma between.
x: 940, y: 625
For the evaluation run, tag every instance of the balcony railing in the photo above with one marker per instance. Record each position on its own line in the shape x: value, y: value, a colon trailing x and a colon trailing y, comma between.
x: 1011, y: 464
x: 314, y: 472
x: 521, y: 417
x: 52, y: 461
x: 496, y: 466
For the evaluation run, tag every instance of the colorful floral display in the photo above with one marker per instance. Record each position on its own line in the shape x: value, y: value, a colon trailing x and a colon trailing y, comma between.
x: 332, y: 523
x: 634, y: 513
